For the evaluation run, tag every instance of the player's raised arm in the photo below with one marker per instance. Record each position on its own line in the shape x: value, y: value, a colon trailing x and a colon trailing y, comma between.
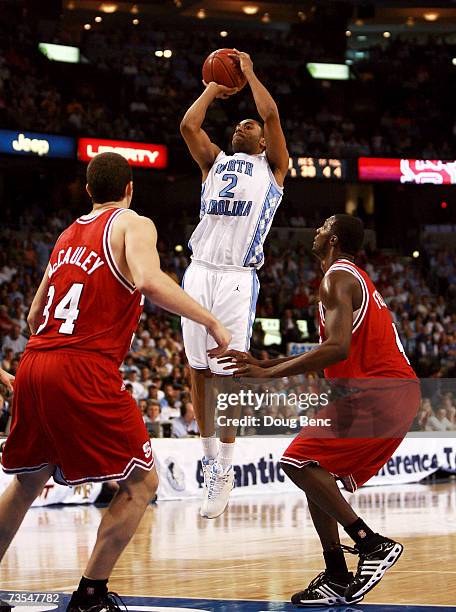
x: 144, y: 265
x: 276, y: 146
x: 35, y: 314
x: 200, y: 146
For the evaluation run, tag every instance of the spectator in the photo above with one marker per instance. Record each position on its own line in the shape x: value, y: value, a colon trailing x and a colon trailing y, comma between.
x: 15, y: 340
x: 185, y: 425
x: 438, y: 421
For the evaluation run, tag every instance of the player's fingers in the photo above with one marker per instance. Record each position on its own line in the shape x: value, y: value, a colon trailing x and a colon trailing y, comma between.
x: 240, y: 370
x: 217, y: 351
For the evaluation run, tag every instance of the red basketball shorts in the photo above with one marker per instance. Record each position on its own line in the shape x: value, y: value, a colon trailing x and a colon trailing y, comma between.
x: 69, y: 410
x: 370, y: 425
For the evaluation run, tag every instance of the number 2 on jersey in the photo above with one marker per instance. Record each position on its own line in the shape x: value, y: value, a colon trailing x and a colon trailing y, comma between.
x: 67, y: 309
x: 226, y: 193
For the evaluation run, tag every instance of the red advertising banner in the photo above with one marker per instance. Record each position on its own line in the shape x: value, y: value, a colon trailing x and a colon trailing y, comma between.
x: 137, y: 153
x: 418, y: 171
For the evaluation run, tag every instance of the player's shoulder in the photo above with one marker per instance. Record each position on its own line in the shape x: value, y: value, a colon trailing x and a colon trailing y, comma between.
x: 336, y: 280
x: 132, y: 221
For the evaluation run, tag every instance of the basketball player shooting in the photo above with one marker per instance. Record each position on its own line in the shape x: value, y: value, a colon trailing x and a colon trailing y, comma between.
x: 73, y: 419
x: 358, y: 341
x: 240, y: 195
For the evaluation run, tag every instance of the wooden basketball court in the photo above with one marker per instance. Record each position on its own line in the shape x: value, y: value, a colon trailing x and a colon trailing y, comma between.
x: 263, y: 548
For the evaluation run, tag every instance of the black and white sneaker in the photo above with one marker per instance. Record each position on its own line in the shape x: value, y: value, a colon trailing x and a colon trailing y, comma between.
x: 372, y: 567
x: 105, y: 603
x: 5, y: 606
x: 324, y: 591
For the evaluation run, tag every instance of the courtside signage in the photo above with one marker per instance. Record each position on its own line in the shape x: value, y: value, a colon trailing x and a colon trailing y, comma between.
x: 37, y: 145
x: 137, y: 153
x: 418, y: 171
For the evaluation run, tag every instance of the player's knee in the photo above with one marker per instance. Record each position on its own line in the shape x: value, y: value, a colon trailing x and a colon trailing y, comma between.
x: 291, y: 471
x: 140, y: 486
x: 30, y: 485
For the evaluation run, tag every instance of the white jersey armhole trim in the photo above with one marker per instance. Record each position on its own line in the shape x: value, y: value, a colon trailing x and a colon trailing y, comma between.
x: 108, y: 251
x: 365, y: 300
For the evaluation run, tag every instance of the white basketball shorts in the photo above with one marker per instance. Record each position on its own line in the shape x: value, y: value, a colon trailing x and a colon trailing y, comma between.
x: 230, y: 294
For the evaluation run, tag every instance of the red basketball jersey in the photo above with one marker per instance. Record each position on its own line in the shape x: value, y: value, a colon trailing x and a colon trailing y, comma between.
x: 90, y: 305
x: 376, y: 350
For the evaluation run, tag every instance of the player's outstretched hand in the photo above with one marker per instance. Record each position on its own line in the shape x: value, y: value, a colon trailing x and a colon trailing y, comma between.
x: 221, y: 91
x: 243, y: 363
x: 245, y: 61
x: 222, y: 336
x: 7, y: 380
x: 237, y: 358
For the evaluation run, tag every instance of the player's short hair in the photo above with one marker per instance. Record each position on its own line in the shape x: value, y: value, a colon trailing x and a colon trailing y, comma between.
x: 350, y: 231
x: 108, y: 174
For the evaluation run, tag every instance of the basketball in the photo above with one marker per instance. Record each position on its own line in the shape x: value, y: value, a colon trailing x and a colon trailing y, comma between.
x: 223, y: 69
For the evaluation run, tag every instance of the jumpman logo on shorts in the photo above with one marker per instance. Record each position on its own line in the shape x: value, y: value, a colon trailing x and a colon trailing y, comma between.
x: 237, y: 289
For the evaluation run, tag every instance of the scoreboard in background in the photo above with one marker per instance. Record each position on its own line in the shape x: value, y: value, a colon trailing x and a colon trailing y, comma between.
x: 317, y: 168
x: 418, y: 171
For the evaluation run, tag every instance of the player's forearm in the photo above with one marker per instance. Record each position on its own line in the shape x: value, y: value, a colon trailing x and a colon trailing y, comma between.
x: 167, y: 294
x: 194, y: 117
x: 269, y: 363
x: 263, y: 100
x: 320, y: 358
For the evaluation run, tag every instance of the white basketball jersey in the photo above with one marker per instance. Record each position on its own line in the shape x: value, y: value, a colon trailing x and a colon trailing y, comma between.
x: 238, y: 201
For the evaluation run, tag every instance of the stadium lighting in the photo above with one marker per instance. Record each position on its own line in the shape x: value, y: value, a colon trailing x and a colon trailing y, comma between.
x: 135, y: 22
x: 201, y: 14
x: 431, y: 16
x: 302, y: 16
x: 386, y: 34
x: 159, y: 53
x: 223, y: 33
x: 60, y: 53
x: 337, y: 72
x: 415, y: 254
x: 108, y: 7
x: 167, y: 53
x: 250, y: 9
x: 98, y: 19
x: 178, y: 248
x: 134, y: 9
x: 348, y: 33
x: 453, y: 61
x: 266, y: 18
x: 87, y: 26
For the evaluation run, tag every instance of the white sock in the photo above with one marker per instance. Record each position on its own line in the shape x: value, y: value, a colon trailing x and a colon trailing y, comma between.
x: 225, y: 456
x: 210, y: 447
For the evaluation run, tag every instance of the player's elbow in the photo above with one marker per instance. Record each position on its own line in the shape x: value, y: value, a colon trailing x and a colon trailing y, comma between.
x: 270, y: 114
x: 341, y: 352
x: 187, y: 126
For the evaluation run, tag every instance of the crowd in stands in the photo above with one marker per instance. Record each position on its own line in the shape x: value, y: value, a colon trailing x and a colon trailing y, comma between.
x: 421, y: 295
x: 400, y: 102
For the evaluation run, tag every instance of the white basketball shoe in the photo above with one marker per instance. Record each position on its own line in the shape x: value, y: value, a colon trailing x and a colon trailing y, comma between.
x: 219, y: 485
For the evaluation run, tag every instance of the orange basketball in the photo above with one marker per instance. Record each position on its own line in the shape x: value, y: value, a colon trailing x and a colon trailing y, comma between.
x: 223, y: 69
